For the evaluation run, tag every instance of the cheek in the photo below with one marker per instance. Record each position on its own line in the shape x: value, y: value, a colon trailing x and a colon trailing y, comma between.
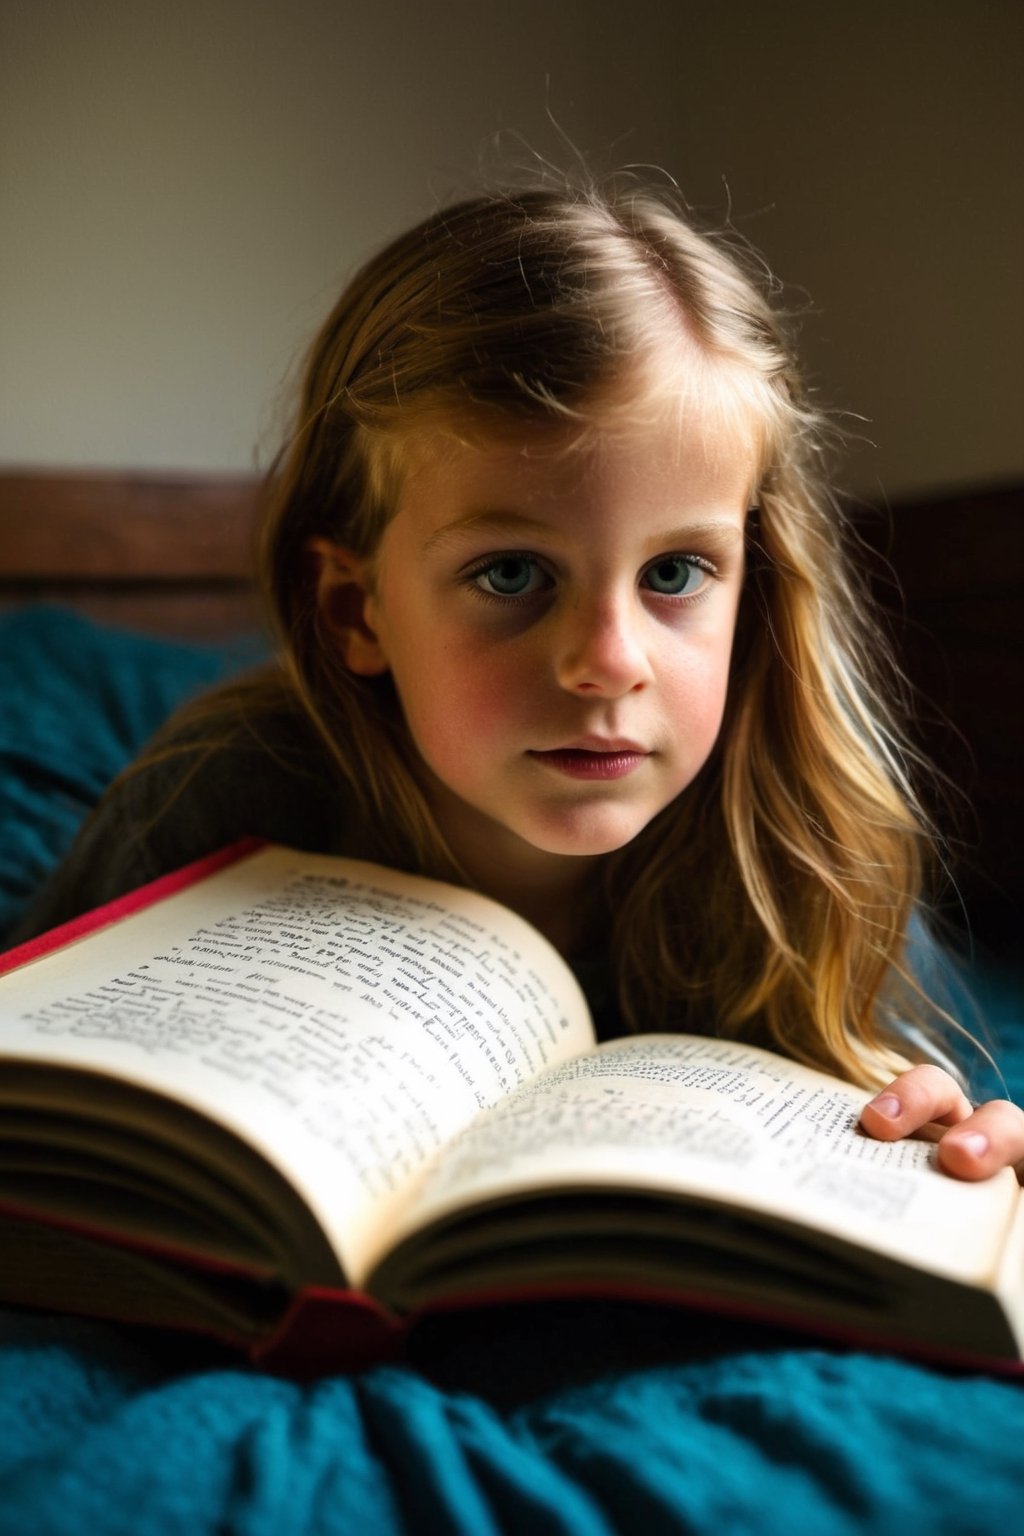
x: 455, y: 701
x: 698, y: 690
x: 442, y: 680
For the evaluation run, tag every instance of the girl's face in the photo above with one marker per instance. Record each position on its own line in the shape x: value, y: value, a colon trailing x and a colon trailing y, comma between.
x: 558, y: 624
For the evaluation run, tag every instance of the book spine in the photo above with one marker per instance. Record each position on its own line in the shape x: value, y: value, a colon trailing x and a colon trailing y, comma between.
x: 326, y: 1332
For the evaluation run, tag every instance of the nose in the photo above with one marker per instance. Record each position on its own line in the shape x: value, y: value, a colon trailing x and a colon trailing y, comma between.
x: 601, y: 648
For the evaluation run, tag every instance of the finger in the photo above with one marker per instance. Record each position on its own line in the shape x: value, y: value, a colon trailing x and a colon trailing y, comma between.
x: 913, y: 1099
x: 989, y: 1139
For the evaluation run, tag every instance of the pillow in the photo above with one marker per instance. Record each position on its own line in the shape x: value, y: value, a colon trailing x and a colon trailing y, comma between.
x: 998, y: 988
x: 77, y: 701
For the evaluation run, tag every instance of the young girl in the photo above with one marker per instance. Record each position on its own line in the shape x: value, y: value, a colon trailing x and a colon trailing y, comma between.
x: 565, y: 613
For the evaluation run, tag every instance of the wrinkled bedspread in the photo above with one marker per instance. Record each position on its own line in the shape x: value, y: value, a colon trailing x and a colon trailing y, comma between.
x: 96, y: 1440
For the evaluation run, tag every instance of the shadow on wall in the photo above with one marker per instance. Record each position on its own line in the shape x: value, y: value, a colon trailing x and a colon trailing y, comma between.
x: 959, y: 565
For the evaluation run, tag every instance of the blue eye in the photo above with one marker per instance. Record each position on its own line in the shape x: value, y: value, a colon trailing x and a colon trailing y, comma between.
x: 675, y: 576
x: 510, y: 576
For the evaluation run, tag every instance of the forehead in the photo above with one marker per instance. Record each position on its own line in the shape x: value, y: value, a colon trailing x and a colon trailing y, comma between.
x: 679, y: 461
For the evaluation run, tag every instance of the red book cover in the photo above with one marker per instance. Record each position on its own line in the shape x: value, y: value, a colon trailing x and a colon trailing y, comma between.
x: 124, y: 906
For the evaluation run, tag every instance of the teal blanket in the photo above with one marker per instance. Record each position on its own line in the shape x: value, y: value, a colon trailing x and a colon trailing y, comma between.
x: 97, y: 1440
x: 591, y: 1420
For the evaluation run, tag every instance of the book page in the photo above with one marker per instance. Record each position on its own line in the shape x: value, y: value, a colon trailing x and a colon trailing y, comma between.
x: 742, y: 1126
x: 344, y: 1019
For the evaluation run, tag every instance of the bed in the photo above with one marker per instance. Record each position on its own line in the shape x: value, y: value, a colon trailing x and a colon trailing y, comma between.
x: 122, y: 595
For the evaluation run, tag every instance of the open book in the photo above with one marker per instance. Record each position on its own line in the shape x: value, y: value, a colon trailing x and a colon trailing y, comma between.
x: 290, y: 1100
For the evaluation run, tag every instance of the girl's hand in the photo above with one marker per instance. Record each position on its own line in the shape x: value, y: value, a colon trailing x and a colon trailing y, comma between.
x: 978, y: 1142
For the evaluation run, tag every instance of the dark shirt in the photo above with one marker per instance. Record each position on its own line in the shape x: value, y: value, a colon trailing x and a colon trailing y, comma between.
x: 203, y: 789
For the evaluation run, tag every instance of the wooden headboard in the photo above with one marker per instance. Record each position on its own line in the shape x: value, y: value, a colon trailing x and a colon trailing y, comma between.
x: 168, y: 553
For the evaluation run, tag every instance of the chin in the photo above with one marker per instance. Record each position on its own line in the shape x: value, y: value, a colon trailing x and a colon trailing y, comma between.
x: 585, y: 836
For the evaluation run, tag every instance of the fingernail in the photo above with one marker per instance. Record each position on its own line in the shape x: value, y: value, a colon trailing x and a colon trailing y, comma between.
x: 888, y: 1105
x: 973, y: 1142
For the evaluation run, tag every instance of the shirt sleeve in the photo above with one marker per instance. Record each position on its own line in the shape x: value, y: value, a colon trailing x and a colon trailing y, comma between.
x: 188, y: 802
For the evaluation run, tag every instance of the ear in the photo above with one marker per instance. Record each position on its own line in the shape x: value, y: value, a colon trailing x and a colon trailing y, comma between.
x: 344, y: 597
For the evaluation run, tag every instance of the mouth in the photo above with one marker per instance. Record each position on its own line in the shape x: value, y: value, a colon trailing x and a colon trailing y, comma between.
x: 609, y: 760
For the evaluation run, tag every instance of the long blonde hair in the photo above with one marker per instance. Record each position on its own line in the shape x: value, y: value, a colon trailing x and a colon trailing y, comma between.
x: 802, y: 829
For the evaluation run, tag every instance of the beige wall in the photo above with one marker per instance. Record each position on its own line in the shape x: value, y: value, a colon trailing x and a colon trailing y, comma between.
x: 185, y: 185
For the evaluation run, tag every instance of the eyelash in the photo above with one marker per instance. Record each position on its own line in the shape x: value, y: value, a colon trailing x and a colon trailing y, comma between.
x: 505, y: 600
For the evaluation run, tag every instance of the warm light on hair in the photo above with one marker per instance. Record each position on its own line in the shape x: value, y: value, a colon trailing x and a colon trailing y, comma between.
x: 534, y: 310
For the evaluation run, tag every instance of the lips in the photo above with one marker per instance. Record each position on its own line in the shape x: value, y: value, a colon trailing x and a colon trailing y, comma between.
x: 594, y: 758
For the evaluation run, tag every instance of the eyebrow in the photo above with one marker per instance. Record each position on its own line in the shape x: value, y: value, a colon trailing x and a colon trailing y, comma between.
x: 723, y: 530
x: 486, y: 521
